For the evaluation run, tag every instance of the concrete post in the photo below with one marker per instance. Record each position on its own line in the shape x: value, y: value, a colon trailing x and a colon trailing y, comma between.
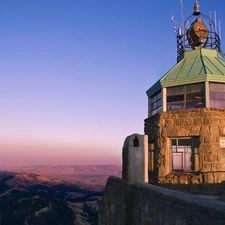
x: 135, y: 159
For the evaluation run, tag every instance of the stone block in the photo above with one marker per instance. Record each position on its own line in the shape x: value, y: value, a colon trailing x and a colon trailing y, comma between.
x: 215, y: 147
x: 195, y: 114
x: 197, y: 121
x: 208, y: 178
x: 210, y: 139
x: 183, y: 180
x: 184, y: 114
x: 194, y: 131
x: 206, y: 148
x: 205, y: 130
x: 216, y: 167
x: 165, y: 115
x: 210, y: 157
x: 174, y: 116
x: 170, y: 132
x: 206, y: 167
x: 213, y: 114
x: 221, y: 130
x: 218, y: 177
x: 222, y: 121
x: 194, y: 179
x: 182, y: 131
x: 159, y: 142
x: 169, y: 122
x: 214, y: 130
x: 178, y: 122
x: 211, y: 121
x: 187, y: 121
x: 161, y: 122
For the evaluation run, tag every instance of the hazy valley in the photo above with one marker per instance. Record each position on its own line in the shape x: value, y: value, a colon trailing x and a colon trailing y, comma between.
x: 52, y: 194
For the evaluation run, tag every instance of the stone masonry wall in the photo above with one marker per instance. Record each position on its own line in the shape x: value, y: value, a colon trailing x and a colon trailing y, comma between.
x: 146, y: 204
x: 209, y: 126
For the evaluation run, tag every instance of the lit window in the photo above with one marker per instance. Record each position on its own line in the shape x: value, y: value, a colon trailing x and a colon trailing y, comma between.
x: 182, y: 153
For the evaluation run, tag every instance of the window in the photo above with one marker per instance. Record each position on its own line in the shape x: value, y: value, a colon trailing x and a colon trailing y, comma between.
x: 186, y: 97
x: 182, y: 153
x: 217, y: 95
x: 155, y: 103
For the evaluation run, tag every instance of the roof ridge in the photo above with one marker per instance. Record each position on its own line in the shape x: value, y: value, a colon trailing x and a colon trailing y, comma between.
x: 203, y: 63
x: 192, y: 67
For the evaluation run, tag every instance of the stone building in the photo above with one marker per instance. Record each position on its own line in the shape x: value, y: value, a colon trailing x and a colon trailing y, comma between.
x: 186, y: 113
x: 184, y: 143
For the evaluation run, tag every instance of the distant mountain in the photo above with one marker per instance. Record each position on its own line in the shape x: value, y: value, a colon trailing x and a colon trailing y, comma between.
x: 46, y: 195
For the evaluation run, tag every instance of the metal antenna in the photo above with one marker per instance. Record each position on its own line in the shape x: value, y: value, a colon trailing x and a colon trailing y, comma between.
x: 182, y: 16
x: 210, y: 25
x: 220, y: 31
x: 182, y: 23
x: 215, y: 21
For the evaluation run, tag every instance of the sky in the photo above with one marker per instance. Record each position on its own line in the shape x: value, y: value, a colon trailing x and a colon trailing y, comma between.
x: 74, y: 75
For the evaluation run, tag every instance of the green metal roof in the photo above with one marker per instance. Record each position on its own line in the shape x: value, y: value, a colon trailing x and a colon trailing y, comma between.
x: 194, y: 66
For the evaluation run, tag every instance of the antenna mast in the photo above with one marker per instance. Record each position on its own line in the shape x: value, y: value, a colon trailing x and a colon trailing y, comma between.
x: 182, y: 22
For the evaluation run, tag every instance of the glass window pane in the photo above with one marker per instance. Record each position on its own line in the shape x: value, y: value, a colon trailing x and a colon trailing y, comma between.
x: 174, y: 142
x: 182, y: 154
x: 159, y: 95
x: 177, y: 161
x: 154, y: 105
x: 154, y: 98
x: 187, y: 161
x: 159, y: 109
x: 195, y: 87
x: 154, y: 112
x: 195, y: 96
x: 217, y: 86
x: 175, y: 98
x: 176, y: 106
x: 175, y: 90
x: 217, y: 95
x: 174, y: 149
x: 217, y: 104
x: 159, y: 102
x: 184, y: 142
x: 195, y: 104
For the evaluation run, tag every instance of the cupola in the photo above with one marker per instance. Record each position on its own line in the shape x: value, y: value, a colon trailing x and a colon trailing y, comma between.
x: 198, y: 78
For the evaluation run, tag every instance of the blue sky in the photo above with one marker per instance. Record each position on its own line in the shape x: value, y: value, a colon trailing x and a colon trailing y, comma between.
x: 74, y: 74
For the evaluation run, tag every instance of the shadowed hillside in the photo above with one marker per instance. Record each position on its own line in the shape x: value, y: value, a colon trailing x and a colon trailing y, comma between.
x: 52, y: 195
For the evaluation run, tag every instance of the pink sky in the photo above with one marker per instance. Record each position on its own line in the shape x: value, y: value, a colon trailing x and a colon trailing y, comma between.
x: 42, y: 154
x: 74, y: 75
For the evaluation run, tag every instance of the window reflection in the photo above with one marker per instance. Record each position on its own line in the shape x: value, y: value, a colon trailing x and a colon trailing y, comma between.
x: 186, y: 97
x: 155, y: 103
x: 217, y: 95
x: 182, y: 154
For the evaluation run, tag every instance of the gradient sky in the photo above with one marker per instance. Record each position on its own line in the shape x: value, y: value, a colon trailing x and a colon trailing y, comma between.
x: 74, y: 75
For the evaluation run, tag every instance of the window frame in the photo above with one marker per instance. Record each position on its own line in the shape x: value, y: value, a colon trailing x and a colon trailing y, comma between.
x: 213, y: 101
x: 184, y: 155
x: 157, y: 100
x: 183, y: 95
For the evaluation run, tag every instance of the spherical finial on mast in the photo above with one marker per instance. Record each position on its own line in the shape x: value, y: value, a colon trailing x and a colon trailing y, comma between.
x: 196, y: 9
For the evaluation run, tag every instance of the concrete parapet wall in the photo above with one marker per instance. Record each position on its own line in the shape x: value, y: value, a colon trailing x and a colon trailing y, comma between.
x: 146, y: 204
x: 110, y: 209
